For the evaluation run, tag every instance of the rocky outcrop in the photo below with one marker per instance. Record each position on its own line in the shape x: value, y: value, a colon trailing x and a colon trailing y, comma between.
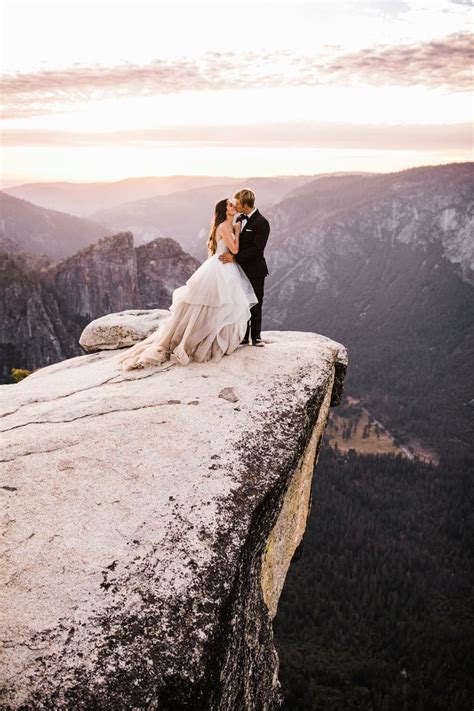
x: 45, y: 305
x: 98, y: 279
x: 150, y: 521
x: 120, y: 330
x: 32, y: 329
x: 174, y: 266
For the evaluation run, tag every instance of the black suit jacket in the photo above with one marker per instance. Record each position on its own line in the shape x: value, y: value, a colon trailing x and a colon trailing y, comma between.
x: 253, y: 239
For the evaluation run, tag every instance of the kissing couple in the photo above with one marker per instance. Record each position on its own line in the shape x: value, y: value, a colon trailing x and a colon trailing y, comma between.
x: 220, y: 305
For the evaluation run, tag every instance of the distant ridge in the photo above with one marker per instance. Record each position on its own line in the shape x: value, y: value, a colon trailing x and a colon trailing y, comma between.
x: 29, y: 228
x: 84, y: 198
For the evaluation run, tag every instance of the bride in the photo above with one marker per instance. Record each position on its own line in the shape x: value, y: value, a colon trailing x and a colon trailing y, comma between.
x: 209, y: 314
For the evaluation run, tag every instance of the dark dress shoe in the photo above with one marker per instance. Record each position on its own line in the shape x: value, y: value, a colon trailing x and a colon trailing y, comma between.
x: 258, y: 342
x: 244, y: 342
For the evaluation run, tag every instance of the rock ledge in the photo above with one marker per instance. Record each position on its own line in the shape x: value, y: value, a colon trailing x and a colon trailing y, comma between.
x: 150, y: 523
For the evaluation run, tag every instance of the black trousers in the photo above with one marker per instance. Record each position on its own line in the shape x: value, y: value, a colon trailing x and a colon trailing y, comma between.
x: 254, y: 325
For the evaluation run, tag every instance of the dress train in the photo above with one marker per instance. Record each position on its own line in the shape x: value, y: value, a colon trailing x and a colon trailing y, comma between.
x: 208, y: 318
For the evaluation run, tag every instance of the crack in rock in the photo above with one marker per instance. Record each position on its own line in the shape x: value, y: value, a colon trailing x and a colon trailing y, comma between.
x: 40, y: 451
x: 90, y: 414
x: 115, y: 379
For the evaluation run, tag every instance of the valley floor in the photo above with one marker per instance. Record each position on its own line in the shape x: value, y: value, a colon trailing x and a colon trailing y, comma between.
x: 354, y: 427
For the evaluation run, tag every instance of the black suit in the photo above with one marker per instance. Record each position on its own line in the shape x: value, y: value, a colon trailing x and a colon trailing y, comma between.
x: 253, y: 239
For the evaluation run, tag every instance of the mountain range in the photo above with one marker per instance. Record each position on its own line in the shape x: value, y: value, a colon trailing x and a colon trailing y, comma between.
x: 178, y: 207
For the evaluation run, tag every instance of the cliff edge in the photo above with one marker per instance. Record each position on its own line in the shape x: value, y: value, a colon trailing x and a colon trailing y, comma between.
x: 150, y: 520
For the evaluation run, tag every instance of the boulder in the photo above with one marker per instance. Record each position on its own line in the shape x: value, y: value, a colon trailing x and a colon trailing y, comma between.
x: 120, y: 330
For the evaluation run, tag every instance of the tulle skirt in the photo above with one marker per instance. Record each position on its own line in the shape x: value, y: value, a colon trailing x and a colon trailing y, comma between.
x: 208, y: 319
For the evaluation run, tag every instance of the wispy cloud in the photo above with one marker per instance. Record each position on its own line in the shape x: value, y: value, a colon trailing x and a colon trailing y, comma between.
x: 445, y: 63
x: 32, y: 94
x: 290, y: 134
x: 442, y: 63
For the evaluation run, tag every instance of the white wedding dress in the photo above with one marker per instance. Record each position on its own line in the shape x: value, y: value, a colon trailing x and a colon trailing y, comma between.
x: 208, y: 317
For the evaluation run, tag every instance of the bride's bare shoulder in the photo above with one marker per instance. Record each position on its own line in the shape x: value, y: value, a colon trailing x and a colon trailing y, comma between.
x: 224, y: 230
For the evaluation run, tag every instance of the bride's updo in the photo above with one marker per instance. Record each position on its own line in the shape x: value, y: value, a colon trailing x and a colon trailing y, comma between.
x: 220, y: 215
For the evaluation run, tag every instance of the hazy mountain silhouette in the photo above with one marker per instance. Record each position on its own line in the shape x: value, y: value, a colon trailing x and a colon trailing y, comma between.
x: 186, y: 215
x: 27, y: 227
x: 82, y: 199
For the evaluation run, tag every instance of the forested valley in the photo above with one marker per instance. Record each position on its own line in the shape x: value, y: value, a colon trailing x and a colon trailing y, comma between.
x: 376, y: 612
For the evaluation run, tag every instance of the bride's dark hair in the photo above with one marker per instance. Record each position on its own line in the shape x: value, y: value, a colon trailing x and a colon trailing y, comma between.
x: 220, y: 215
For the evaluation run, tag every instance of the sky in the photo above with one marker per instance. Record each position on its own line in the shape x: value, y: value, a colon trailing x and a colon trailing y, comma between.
x: 100, y: 90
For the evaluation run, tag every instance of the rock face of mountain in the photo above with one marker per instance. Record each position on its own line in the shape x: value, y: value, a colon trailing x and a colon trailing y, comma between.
x: 44, y: 310
x: 98, y: 279
x: 44, y: 232
x: 152, y: 517
x: 174, y: 265
x: 384, y: 264
x: 348, y: 216
x: 32, y: 328
x: 8, y: 245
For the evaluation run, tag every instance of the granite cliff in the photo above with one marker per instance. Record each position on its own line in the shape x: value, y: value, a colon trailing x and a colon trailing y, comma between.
x: 362, y: 240
x: 150, y: 519
x: 385, y: 265
x: 44, y: 305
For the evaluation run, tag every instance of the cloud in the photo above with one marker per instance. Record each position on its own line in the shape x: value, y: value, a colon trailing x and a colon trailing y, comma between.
x: 439, y: 63
x: 30, y: 94
x: 442, y: 63
x: 277, y: 135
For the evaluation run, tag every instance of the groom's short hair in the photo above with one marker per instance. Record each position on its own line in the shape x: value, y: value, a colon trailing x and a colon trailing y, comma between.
x: 246, y: 197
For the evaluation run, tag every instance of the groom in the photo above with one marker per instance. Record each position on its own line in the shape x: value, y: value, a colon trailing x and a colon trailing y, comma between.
x: 254, y: 232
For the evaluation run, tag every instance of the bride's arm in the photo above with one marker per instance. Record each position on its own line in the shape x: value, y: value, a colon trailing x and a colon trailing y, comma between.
x: 231, y: 241
x: 237, y: 227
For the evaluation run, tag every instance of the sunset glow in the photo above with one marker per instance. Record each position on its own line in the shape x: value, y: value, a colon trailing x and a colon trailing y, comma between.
x: 104, y: 91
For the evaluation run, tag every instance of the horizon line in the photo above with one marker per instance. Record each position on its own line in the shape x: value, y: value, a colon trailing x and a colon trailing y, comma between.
x: 17, y: 182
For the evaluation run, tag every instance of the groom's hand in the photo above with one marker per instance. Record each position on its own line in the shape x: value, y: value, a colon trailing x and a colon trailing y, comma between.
x: 227, y: 257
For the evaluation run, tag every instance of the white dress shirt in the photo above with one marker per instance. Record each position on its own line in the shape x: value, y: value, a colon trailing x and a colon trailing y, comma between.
x: 245, y: 218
